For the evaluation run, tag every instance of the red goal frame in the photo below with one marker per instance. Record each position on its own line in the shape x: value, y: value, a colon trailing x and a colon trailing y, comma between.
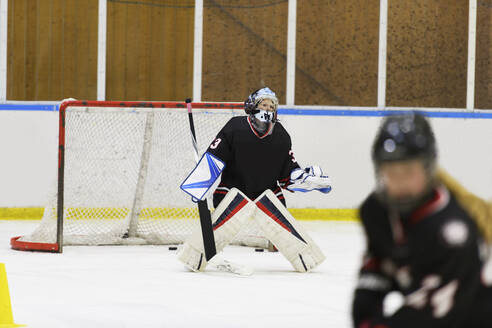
x: 58, y: 246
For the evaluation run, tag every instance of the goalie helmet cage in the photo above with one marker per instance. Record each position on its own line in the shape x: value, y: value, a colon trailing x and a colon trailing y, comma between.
x: 120, y: 165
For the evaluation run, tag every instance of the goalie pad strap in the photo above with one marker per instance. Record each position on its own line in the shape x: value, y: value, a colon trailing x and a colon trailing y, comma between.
x: 303, y: 263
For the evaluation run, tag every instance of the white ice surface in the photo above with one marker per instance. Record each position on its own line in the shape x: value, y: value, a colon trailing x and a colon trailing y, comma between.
x: 146, y: 286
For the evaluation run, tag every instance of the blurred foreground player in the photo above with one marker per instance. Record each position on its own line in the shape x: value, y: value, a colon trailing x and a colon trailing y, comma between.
x: 420, y: 240
x: 256, y: 152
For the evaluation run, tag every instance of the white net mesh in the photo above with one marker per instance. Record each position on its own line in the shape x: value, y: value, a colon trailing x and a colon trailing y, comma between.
x: 123, y: 168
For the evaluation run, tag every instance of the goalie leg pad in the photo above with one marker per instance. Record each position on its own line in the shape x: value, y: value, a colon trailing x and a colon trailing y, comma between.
x: 290, y: 237
x: 228, y: 219
x: 192, y: 255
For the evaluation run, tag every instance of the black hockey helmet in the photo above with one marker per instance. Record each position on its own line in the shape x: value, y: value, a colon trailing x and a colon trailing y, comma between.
x: 404, y: 137
x: 251, y: 104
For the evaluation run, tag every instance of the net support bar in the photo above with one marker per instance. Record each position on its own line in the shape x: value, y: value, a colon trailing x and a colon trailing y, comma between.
x: 144, y: 163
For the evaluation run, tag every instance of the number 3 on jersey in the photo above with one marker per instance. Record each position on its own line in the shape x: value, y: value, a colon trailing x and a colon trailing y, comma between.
x: 291, y: 153
x: 216, y: 143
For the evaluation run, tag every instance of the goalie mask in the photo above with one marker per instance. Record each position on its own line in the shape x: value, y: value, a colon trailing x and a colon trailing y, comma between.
x: 261, y: 115
x: 405, y: 138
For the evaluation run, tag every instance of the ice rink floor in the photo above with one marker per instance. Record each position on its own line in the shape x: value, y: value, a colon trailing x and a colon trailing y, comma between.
x: 146, y: 286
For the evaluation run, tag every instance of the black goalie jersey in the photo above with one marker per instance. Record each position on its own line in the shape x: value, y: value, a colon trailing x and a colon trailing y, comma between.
x: 254, y: 162
x: 432, y: 258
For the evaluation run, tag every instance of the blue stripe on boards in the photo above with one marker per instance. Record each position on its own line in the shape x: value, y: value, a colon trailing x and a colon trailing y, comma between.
x: 379, y: 113
x: 300, y: 111
x: 30, y: 107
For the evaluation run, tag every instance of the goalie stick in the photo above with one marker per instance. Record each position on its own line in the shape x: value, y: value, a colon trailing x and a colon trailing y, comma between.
x: 204, y: 212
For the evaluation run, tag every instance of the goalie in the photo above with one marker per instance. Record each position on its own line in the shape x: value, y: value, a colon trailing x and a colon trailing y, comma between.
x: 255, y: 154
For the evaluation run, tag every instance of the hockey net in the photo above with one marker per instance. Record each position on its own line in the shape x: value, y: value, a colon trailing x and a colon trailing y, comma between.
x: 119, y: 169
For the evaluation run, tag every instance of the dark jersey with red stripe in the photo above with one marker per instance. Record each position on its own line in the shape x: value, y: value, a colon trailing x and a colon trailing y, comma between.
x: 254, y: 162
x: 432, y: 257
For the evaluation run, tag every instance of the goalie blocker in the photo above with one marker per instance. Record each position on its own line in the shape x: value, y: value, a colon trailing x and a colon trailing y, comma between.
x: 277, y: 224
x: 202, y: 178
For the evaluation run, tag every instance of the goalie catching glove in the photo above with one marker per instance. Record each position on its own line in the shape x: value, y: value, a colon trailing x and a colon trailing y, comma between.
x: 309, y: 179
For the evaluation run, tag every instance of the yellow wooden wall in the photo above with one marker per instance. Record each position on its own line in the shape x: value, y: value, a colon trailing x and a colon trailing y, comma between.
x: 150, y: 50
x: 52, y: 49
x: 483, y: 80
x: 427, y: 53
x: 244, y: 48
x: 337, y: 52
